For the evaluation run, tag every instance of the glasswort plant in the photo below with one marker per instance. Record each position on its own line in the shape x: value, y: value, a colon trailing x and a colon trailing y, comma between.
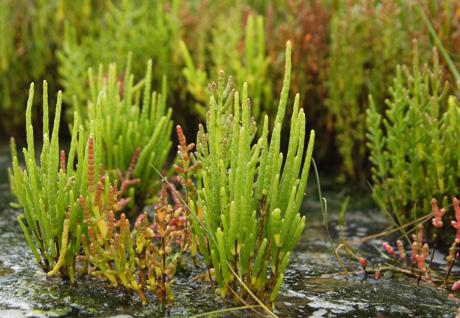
x: 48, y: 191
x: 246, y: 217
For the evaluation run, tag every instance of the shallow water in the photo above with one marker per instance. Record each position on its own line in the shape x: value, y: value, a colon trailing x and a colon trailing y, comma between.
x: 312, y: 286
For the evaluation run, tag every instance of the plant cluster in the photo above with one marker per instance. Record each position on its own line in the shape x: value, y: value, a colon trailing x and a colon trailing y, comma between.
x: 238, y: 205
x: 413, y: 145
x: 421, y: 250
x: 71, y: 207
x: 246, y: 216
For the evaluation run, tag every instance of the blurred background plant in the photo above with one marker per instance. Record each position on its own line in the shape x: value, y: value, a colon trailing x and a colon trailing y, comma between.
x: 367, y: 39
x: 241, y: 50
x: 31, y: 32
x: 444, y: 16
x: 307, y: 25
x: 148, y: 29
x: 413, y: 145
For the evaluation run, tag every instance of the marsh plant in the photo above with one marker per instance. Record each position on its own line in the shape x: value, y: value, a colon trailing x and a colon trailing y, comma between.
x: 48, y: 188
x: 413, y: 145
x: 246, y: 217
x: 132, y: 126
